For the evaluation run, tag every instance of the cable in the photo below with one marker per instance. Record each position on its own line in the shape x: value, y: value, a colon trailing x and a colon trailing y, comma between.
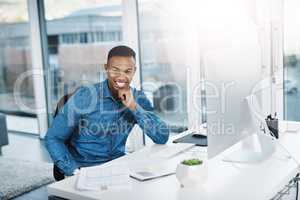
x: 297, y: 187
x: 297, y: 190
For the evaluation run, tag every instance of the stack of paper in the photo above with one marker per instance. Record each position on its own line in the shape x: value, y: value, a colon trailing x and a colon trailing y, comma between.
x: 102, y: 178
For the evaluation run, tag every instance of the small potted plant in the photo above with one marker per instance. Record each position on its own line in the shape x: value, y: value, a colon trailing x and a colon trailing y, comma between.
x: 191, y: 172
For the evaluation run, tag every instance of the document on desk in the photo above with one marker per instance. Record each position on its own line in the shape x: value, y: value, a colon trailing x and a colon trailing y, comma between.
x: 102, y: 178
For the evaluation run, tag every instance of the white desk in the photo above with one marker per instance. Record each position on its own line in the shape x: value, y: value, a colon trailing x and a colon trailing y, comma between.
x: 291, y: 141
x: 225, y: 180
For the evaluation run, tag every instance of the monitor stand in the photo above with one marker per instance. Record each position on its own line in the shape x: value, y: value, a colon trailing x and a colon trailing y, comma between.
x: 255, y: 148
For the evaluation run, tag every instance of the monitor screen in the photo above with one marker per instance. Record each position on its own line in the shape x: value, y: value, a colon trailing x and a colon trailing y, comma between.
x: 230, y: 76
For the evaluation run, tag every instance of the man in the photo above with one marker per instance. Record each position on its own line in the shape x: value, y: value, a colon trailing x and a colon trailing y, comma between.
x: 93, y: 126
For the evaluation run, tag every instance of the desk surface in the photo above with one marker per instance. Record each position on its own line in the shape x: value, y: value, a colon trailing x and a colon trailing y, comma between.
x: 225, y: 180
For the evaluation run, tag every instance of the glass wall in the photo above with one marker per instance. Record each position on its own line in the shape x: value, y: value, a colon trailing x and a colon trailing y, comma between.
x: 15, y: 60
x: 291, y: 40
x: 165, y: 59
x: 79, y: 35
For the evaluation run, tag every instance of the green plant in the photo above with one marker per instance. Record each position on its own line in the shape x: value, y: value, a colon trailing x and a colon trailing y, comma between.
x: 192, y: 162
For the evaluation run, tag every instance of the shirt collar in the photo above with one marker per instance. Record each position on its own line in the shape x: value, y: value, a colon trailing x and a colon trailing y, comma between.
x: 105, y: 92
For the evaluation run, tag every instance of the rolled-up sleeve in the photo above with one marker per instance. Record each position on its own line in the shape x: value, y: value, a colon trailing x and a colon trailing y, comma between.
x: 150, y: 123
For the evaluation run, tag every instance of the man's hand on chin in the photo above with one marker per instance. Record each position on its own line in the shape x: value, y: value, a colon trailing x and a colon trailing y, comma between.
x: 127, y: 98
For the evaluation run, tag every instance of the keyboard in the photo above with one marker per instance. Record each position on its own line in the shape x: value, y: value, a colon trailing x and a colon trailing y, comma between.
x: 173, y: 150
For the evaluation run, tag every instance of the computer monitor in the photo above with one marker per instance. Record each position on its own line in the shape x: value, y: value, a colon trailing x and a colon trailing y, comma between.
x: 230, y: 77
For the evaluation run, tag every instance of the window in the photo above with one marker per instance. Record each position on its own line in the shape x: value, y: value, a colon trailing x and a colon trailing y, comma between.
x: 83, y: 38
x: 99, y: 36
x: 119, y: 36
x: 291, y: 42
x: 109, y: 36
x: 79, y: 53
x: 15, y: 60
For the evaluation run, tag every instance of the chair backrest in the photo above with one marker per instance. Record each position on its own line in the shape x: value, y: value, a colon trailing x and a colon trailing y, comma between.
x: 62, y: 102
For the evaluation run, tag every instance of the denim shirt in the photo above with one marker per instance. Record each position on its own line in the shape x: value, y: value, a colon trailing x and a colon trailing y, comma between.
x: 92, y: 127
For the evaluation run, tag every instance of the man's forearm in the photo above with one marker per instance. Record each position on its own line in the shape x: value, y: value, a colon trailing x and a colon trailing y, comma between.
x: 152, y: 125
x: 60, y: 155
x: 55, y: 139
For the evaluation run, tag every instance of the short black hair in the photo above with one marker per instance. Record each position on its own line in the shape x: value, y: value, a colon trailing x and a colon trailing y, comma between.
x: 121, y: 51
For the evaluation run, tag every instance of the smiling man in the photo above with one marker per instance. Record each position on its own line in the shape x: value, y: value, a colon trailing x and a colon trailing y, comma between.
x: 93, y: 126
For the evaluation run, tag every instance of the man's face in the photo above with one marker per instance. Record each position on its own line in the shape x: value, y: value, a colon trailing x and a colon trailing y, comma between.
x: 120, y: 71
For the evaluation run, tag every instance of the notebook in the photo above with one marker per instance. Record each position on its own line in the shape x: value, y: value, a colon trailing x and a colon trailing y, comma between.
x: 154, y: 171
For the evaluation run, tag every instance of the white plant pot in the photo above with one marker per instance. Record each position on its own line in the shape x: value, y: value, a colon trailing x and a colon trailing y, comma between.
x: 191, y: 176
